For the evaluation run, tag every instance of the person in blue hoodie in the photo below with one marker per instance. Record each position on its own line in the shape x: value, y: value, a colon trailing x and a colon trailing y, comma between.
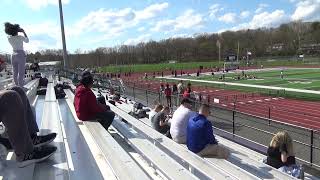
x: 200, y: 138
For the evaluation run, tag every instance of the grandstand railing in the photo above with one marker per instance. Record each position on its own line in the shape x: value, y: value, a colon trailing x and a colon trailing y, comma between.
x: 306, y: 141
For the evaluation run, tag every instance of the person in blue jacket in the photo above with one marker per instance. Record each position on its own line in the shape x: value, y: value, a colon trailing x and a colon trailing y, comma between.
x: 200, y: 138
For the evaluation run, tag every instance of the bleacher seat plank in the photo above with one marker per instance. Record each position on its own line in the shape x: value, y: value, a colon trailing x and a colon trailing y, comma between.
x: 10, y: 171
x: 50, y: 94
x: 122, y: 164
x: 168, y: 167
x: 56, y: 167
x: 253, y: 155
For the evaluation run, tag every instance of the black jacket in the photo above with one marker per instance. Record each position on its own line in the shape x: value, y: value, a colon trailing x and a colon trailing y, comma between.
x: 274, y: 158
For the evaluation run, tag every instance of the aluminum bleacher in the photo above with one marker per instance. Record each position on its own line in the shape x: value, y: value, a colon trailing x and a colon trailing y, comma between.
x: 131, y: 149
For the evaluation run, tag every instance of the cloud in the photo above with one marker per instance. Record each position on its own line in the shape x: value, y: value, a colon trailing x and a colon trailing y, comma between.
x: 142, y: 38
x: 141, y: 29
x: 244, y: 14
x: 261, y: 7
x: 38, y: 4
x: 214, y: 9
x: 188, y: 20
x: 228, y: 18
x: 44, y: 35
x: 184, y: 35
x: 113, y: 22
x: 265, y: 19
x: 151, y: 11
x: 307, y: 10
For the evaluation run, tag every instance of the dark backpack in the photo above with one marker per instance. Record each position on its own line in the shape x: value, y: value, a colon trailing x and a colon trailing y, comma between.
x: 101, y: 99
x: 138, y: 105
x: 41, y: 91
x: 58, y: 89
x: 43, y: 82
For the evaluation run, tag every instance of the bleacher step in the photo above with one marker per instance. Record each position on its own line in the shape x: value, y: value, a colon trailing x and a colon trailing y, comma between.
x: 9, y: 170
x: 168, y: 167
x: 122, y: 164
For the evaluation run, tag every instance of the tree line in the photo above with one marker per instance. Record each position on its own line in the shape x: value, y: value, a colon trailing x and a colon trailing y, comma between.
x: 286, y: 40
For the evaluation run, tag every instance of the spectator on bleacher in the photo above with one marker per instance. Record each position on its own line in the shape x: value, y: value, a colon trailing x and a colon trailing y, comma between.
x: 86, y: 105
x: 280, y: 151
x: 2, y: 64
x: 179, y: 121
x: 187, y: 93
x: 162, y: 88
x: 21, y: 127
x: 180, y: 87
x: 175, y: 94
x: 200, y: 137
x: 160, y: 121
x: 168, y: 94
x: 157, y: 108
x: 18, y: 58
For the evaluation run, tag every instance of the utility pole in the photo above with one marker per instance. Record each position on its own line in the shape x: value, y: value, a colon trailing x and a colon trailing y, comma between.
x: 65, y: 55
x: 219, y: 47
x: 238, y: 52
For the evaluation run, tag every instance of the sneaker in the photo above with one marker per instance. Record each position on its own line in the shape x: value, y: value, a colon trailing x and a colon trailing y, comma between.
x: 6, y: 143
x: 43, y: 140
x: 38, y: 155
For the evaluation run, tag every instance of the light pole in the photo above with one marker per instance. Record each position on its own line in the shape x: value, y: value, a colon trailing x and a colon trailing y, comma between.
x: 65, y: 55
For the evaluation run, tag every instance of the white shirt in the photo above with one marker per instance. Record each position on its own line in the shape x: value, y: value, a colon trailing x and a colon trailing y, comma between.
x: 17, y: 42
x: 151, y: 114
x: 179, y: 122
x: 180, y: 88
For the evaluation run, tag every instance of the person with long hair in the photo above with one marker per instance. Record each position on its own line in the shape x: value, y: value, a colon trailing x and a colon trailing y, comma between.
x: 18, y: 57
x: 280, y: 151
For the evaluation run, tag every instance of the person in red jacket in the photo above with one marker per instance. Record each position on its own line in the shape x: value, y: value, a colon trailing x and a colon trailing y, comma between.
x: 86, y: 105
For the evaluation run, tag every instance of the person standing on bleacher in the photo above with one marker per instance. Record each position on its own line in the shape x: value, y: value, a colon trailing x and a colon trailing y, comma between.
x: 86, y: 105
x: 200, y: 138
x: 18, y: 57
x: 21, y: 128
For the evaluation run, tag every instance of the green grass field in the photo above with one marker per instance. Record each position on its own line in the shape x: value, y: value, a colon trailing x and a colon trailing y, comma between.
x: 159, y: 67
x: 195, y: 65
x: 293, y: 78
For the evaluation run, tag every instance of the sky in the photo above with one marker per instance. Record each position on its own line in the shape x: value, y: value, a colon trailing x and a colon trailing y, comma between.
x: 91, y: 24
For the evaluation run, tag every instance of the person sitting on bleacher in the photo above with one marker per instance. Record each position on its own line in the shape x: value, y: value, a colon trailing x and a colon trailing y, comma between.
x: 280, y: 155
x: 86, y: 105
x: 160, y: 121
x: 280, y: 151
x: 157, y: 108
x: 200, y: 138
x: 179, y: 121
x: 21, y: 128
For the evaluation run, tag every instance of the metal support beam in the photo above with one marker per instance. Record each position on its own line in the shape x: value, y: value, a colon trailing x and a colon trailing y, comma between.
x: 65, y: 55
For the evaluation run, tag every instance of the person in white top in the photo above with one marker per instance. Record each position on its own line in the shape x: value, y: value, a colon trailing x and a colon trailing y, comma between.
x: 157, y: 108
x: 18, y: 58
x: 179, y: 121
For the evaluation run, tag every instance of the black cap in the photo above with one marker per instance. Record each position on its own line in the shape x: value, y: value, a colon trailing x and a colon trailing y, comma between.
x: 186, y: 100
x: 86, y: 78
